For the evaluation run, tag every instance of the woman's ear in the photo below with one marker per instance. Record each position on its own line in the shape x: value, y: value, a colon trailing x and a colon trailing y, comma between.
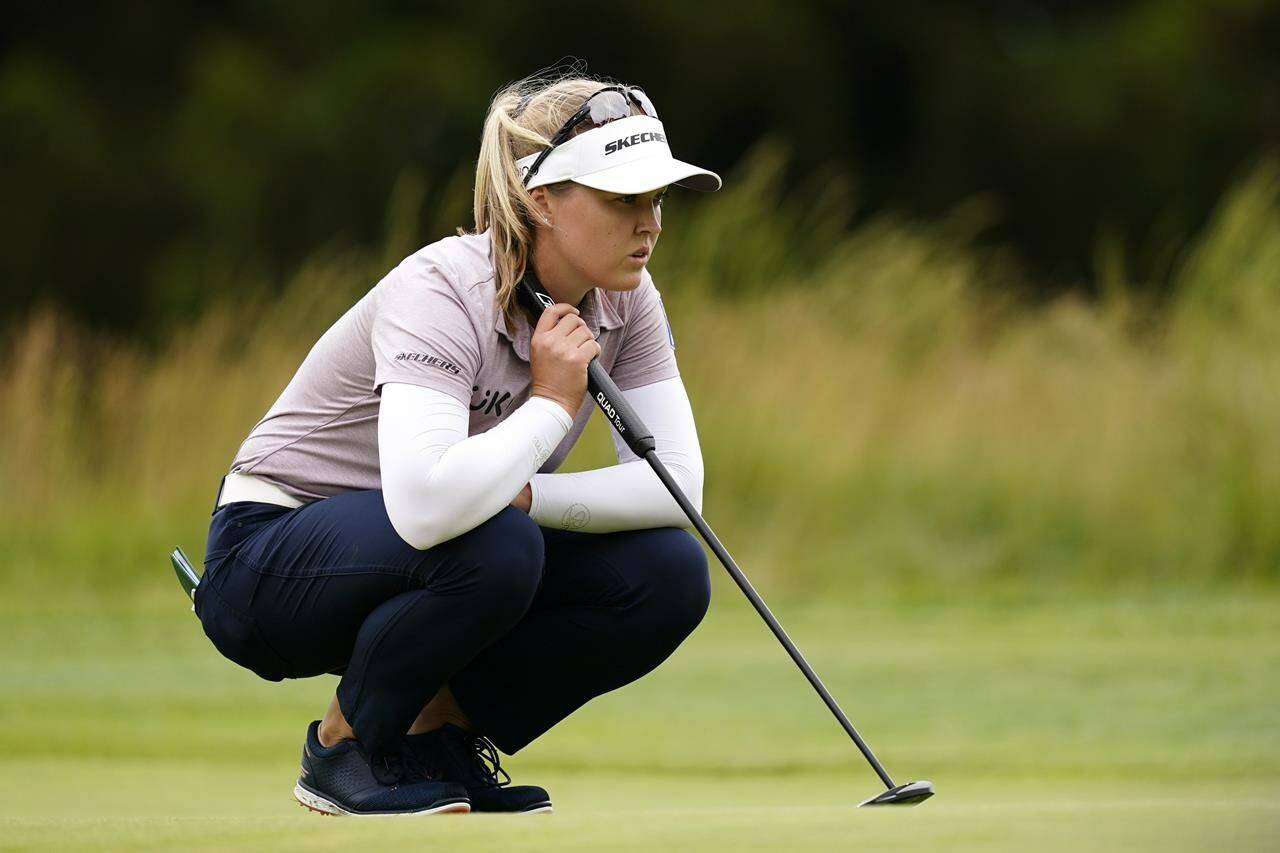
x: 541, y: 199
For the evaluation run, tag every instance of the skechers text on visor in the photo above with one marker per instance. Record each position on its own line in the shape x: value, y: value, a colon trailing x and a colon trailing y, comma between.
x: 628, y: 156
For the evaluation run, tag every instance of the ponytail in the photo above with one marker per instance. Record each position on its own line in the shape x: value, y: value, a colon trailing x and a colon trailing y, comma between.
x: 521, y: 120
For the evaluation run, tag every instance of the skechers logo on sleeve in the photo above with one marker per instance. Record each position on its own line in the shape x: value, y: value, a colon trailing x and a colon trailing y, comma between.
x: 424, y: 358
x: 635, y: 139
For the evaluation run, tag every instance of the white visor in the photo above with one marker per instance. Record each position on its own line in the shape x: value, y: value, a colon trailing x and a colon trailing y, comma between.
x: 628, y: 156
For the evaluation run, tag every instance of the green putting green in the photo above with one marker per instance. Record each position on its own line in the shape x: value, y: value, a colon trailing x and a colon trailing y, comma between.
x: 1077, y: 723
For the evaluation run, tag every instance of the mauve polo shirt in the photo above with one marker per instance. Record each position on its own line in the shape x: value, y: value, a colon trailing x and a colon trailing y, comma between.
x: 433, y: 321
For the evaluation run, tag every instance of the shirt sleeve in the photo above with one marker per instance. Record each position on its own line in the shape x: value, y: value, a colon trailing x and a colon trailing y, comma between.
x: 423, y: 333
x: 647, y: 353
x: 436, y: 482
x: 629, y: 496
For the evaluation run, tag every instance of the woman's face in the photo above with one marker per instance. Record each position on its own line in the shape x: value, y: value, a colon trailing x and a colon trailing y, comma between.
x: 597, y: 238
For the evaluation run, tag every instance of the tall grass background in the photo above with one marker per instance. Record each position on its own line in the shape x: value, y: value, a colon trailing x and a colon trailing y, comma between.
x: 881, y: 411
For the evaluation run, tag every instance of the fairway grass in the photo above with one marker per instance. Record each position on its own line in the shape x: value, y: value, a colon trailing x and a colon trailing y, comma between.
x: 1092, y: 723
x: 803, y: 812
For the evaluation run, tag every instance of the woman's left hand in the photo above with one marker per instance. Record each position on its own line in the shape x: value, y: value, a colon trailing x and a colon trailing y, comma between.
x: 524, y: 500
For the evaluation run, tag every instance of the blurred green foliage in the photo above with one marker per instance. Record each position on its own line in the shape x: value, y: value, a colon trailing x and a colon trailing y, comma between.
x: 155, y: 157
x: 876, y: 412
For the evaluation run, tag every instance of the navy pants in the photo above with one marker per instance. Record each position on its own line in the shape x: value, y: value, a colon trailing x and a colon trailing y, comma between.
x: 523, y: 623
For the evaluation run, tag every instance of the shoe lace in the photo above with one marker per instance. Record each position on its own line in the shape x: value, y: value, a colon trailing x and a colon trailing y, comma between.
x: 398, y: 768
x: 486, y: 763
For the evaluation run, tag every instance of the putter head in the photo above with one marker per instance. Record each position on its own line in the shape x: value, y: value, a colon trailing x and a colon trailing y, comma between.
x: 910, y: 794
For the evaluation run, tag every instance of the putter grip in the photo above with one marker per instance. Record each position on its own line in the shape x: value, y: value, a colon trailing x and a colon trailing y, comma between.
x: 599, y: 384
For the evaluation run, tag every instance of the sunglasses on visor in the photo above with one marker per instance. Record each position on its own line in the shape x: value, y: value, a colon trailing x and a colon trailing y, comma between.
x: 603, y: 106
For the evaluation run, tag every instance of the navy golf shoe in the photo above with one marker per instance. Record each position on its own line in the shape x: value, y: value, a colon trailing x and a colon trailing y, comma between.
x: 344, y: 780
x: 472, y: 760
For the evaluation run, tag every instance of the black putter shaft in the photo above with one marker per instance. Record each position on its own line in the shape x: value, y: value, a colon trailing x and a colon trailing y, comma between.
x: 640, y: 440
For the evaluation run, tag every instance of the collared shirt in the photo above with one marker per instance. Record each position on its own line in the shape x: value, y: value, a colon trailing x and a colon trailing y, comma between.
x: 433, y: 321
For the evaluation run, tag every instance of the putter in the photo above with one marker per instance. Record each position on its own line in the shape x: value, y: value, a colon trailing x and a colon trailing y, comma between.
x: 625, y: 420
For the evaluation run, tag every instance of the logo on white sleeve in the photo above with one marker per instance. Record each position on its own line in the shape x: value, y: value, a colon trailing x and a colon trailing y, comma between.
x: 576, y: 517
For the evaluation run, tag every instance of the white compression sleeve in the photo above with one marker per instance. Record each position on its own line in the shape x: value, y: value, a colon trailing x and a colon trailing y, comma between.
x: 437, y: 483
x: 629, y: 496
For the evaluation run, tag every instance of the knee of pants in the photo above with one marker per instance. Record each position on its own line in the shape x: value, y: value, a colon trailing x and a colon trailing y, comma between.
x: 507, y: 553
x: 676, y: 574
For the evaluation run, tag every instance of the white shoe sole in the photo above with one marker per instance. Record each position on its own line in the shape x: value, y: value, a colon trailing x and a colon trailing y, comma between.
x: 317, y: 803
x: 538, y: 810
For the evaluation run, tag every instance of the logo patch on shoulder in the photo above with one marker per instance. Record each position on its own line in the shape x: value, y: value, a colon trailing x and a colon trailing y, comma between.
x: 427, y: 358
x: 671, y: 338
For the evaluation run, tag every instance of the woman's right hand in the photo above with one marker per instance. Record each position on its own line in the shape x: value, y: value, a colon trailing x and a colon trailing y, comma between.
x: 561, y: 348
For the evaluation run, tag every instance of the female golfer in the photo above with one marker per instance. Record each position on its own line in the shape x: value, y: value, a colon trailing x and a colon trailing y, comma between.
x: 393, y: 518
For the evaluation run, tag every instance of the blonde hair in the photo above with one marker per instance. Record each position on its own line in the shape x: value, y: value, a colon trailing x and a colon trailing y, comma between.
x: 522, y: 118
